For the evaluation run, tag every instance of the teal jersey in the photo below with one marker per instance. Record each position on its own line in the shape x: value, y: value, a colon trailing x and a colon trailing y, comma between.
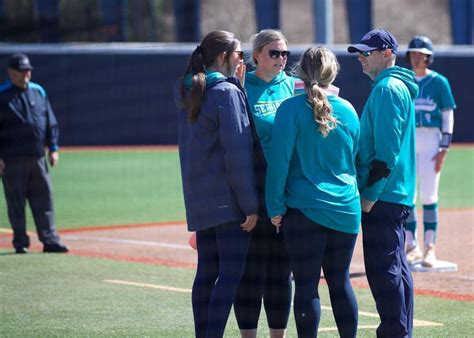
x: 434, y: 96
x: 312, y: 173
x: 387, y: 134
x: 265, y: 98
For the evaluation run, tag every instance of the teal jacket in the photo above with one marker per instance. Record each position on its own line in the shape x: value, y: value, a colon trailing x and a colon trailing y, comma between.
x: 387, y: 134
x: 264, y: 99
x: 313, y: 173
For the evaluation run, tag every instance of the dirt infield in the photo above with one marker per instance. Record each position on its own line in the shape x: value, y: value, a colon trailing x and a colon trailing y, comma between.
x: 166, y: 244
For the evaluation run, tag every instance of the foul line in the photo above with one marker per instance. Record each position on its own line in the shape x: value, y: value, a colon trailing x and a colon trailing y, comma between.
x: 126, y: 241
x: 151, y: 286
x: 416, y: 322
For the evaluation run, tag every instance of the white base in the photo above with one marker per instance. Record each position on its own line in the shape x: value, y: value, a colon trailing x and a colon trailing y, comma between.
x: 440, y: 266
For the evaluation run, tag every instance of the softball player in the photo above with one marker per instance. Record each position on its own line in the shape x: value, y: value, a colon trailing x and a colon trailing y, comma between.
x: 434, y: 128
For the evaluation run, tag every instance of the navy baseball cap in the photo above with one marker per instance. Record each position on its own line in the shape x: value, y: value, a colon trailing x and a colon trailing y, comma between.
x: 376, y: 39
x: 19, y: 62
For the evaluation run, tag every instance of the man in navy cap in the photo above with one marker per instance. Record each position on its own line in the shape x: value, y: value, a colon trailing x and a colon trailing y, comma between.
x: 27, y: 126
x: 386, y: 178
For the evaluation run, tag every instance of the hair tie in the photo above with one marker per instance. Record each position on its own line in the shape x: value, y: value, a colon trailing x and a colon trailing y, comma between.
x: 313, y: 83
x: 199, y: 49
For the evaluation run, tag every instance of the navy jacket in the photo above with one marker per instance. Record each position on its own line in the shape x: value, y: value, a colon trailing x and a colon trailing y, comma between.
x: 217, y: 159
x: 27, y: 121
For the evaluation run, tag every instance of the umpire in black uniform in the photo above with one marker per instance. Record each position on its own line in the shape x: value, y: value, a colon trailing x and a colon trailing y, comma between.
x: 27, y: 126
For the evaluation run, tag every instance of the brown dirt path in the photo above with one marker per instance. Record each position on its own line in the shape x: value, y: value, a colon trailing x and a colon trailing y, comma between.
x: 167, y: 244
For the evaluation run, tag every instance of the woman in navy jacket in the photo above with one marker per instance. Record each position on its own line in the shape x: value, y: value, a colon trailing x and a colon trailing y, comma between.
x: 216, y: 150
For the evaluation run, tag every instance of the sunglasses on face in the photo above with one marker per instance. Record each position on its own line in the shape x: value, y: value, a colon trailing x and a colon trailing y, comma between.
x: 240, y: 54
x: 369, y: 53
x: 275, y: 54
x: 366, y: 54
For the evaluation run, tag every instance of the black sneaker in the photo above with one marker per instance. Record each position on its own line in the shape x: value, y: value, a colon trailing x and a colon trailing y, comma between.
x: 57, y: 248
x: 21, y: 250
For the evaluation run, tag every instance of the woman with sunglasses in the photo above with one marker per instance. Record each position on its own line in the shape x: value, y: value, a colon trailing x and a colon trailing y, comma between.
x: 311, y: 192
x: 267, y: 272
x: 217, y: 170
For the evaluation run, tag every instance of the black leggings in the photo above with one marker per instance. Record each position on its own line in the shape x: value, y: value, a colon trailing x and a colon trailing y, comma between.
x: 267, y: 275
x: 310, y: 247
x: 222, y: 251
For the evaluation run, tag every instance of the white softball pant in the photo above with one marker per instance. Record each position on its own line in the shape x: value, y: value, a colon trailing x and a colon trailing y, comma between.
x: 427, y: 146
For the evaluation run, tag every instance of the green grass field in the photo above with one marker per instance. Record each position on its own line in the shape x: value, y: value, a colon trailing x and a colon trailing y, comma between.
x: 64, y: 295
x: 129, y: 187
x: 60, y: 295
x: 117, y: 187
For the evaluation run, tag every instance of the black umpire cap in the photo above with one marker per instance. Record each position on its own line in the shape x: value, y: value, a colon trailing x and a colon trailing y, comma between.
x: 19, y: 62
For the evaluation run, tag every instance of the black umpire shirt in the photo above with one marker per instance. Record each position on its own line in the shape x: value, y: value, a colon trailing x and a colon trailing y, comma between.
x: 27, y: 121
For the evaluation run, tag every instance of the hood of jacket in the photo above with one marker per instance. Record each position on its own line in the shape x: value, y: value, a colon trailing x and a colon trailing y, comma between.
x: 250, y: 77
x: 403, y: 74
x: 211, y: 77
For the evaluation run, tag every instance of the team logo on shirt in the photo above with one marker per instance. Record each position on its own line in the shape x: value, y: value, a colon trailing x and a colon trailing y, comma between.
x: 425, y: 104
x: 428, y: 117
x: 265, y: 108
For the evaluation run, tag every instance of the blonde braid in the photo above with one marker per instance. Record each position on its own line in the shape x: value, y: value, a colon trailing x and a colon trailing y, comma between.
x: 322, y: 110
x: 317, y: 68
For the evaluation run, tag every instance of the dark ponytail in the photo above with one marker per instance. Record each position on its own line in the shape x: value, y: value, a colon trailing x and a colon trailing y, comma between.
x: 192, y: 97
x: 204, y: 56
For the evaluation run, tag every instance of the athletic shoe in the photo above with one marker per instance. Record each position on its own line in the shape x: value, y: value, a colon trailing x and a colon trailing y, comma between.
x: 414, y: 254
x: 56, y: 248
x: 21, y: 250
x: 429, y: 258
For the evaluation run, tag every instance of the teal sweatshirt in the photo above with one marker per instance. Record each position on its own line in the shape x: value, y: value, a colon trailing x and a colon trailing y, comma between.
x: 264, y: 99
x: 387, y: 134
x: 313, y: 173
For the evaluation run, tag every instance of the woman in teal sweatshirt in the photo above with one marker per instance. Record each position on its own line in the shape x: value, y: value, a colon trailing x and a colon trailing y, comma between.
x: 311, y: 192
x: 267, y: 271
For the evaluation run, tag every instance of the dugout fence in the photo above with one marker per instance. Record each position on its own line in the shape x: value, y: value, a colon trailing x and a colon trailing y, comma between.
x: 122, y: 93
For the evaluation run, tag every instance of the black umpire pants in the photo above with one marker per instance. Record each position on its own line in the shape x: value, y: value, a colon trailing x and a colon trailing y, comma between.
x: 26, y: 178
x: 387, y: 269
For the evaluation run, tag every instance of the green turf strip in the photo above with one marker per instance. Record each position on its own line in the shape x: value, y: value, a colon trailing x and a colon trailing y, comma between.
x: 457, y: 179
x: 48, y: 295
x: 110, y: 188
x: 142, y: 186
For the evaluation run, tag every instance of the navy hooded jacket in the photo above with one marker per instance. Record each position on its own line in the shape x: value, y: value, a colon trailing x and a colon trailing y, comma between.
x: 217, y: 158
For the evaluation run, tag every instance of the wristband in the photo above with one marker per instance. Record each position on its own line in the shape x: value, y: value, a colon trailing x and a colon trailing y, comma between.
x: 445, y: 140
